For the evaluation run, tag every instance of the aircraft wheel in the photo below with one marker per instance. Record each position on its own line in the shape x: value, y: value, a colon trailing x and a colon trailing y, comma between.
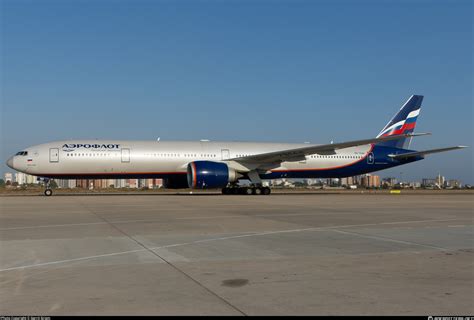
x: 48, y: 192
x: 257, y: 191
x: 266, y: 191
x: 247, y: 191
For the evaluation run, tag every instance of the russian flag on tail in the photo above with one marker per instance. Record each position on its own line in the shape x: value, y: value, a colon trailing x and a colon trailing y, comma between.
x: 402, y: 123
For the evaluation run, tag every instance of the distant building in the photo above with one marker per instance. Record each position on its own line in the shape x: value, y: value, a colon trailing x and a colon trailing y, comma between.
x: 71, y: 183
x: 344, y: 182
x: 454, y: 183
x: 104, y: 184
x: 334, y: 182
x: 428, y: 182
x: 9, y: 177
x: 158, y: 183
x: 389, y: 182
x: 65, y: 183
x: 86, y: 183
x: 82, y: 183
x: 31, y: 179
x: 133, y: 183
x: 91, y: 183
x: 357, y: 180
x: 349, y: 181
x: 370, y: 181
x: 414, y: 184
x: 95, y: 183
x: 440, y: 180
x: 62, y: 183
x: 20, y: 178
x: 120, y: 183
x: 23, y: 178
x: 142, y: 183
x: 153, y: 183
x: 365, y: 181
x: 110, y: 183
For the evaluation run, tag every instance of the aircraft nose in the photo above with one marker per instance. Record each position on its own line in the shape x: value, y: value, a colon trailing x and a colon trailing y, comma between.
x: 10, y: 162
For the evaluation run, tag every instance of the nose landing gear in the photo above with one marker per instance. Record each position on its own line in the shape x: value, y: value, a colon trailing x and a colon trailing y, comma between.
x: 48, y: 191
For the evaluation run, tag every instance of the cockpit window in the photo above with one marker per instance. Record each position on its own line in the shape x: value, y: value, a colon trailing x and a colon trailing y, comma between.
x: 22, y: 153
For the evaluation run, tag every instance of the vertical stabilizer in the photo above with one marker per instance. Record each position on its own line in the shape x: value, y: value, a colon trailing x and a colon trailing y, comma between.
x: 403, y: 122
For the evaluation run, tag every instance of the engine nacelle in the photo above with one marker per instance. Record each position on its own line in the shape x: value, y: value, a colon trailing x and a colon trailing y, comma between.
x: 209, y: 174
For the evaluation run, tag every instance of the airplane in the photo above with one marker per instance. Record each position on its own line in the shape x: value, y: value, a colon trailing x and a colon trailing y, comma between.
x: 207, y: 164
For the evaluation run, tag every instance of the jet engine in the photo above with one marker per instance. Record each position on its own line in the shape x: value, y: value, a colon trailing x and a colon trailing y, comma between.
x: 209, y: 174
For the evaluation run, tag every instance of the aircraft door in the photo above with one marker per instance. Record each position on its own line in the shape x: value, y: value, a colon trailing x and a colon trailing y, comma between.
x: 125, y: 155
x: 225, y: 154
x: 370, y: 158
x: 53, y: 155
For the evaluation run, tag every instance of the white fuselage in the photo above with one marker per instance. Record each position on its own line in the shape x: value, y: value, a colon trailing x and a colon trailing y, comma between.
x: 76, y: 158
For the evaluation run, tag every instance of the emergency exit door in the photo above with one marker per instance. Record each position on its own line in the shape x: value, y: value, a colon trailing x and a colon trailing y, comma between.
x: 125, y: 155
x: 54, y: 155
x: 225, y: 154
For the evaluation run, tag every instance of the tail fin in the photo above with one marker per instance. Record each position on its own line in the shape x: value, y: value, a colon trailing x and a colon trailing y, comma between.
x: 403, y: 122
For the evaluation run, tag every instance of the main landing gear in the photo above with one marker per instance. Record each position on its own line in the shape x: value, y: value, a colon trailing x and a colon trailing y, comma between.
x: 247, y: 190
x: 255, y: 188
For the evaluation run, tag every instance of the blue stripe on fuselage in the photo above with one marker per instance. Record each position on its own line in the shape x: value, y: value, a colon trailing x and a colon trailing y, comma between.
x: 381, y: 161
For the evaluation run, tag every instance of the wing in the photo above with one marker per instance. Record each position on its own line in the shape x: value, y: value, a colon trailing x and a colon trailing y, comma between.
x: 299, y: 154
x: 423, y: 153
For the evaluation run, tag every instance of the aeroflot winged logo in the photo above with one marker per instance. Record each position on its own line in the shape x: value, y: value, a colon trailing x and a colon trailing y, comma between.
x: 68, y: 147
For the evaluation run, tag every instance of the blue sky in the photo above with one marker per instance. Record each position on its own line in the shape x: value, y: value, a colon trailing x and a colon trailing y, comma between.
x: 287, y: 71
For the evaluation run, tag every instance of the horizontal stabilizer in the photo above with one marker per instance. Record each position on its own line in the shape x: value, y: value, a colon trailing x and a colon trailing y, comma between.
x: 423, y: 153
